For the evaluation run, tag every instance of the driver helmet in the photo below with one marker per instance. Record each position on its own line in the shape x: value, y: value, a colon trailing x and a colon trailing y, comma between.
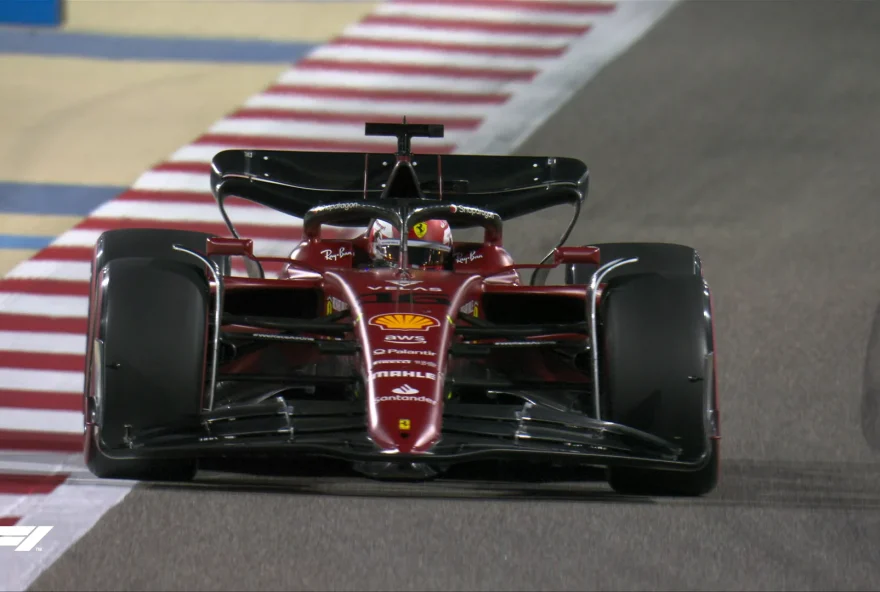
x: 429, y: 242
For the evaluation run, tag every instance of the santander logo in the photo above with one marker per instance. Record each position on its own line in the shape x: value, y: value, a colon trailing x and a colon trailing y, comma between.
x: 406, y: 399
x: 405, y: 390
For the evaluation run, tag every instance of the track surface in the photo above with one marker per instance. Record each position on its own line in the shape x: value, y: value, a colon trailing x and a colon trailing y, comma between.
x: 750, y: 130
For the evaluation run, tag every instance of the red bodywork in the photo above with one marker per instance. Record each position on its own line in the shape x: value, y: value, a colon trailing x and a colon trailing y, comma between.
x: 404, y: 323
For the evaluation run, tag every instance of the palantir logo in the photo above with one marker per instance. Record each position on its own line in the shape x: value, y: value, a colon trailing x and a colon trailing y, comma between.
x: 23, y: 538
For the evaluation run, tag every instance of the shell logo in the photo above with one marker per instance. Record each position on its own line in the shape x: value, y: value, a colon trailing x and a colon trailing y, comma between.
x: 404, y: 322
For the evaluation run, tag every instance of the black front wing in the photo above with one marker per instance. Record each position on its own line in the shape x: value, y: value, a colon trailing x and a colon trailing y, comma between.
x: 532, y: 431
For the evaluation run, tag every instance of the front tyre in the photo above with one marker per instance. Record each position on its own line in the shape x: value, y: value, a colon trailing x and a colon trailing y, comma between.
x: 656, y: 339
x: 152, y: 323
x: 667, y: 259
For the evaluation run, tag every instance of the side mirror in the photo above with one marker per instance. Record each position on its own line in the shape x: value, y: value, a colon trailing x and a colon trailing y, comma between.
x: 231, y: 246
x: 576, y: 255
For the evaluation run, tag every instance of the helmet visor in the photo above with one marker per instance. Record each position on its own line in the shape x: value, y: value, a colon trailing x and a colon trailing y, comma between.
x: 419, y: 254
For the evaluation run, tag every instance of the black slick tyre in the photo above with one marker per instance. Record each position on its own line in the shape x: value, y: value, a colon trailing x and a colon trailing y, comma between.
x: 146, y: 346
x: 656, y: 335
x: 665, y: 258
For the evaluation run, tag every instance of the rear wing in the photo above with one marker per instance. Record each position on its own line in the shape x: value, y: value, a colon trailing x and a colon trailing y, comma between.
x: 295, y: 182
x: 354, y: 188
x: 404, y: 132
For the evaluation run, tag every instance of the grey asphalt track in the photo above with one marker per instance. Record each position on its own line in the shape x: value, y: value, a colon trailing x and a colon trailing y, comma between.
x: 749, y: 130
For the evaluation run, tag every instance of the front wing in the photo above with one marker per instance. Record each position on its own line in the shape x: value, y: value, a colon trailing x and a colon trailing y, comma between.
x: 533, y: 431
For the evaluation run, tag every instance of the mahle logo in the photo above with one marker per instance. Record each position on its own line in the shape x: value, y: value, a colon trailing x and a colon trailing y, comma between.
x: 403, y: 374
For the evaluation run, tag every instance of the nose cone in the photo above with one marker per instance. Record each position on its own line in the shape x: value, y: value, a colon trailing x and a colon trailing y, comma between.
x: 405, y: 328
x: 407, y: 408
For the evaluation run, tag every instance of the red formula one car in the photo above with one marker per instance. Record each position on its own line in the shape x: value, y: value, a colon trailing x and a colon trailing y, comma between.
x: 400, y: 350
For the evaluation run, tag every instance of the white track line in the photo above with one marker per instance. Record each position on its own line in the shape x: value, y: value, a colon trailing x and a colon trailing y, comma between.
x: 423, y: 57
x: 47, y: 343
x: 40, y: 463
x: 203, y: 153
x: 384, y: 32
x: 267, y: 247
x: 43, y: 305
x: 189, y: 212
x: 174, y: 181
x: 398, y: 82
x: 41, y: 420
x: 501, y: 14
x: 269, y: 128
x: 77, y: 238
x: 14, y: 504
x: 55, y: 381
x: 438, y: 109
x: 56, y: 270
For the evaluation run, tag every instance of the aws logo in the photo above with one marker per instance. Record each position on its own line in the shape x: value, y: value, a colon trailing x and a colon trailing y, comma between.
x: 404, y: 322
x: 403, y: 339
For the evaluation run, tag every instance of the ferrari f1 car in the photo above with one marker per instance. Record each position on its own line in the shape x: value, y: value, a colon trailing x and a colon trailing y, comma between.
x: 400, y: 353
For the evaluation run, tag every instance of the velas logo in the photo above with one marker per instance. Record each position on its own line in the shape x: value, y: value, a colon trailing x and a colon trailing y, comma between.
x: 404, y: 322
x: 404, y: 283
x: 397, y: 288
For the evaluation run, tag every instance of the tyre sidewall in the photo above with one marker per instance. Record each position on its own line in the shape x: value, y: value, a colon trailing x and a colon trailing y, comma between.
x: 667, y: 259
x: 153, y: 323
x: 656, y: 333
x: 130, y: 243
